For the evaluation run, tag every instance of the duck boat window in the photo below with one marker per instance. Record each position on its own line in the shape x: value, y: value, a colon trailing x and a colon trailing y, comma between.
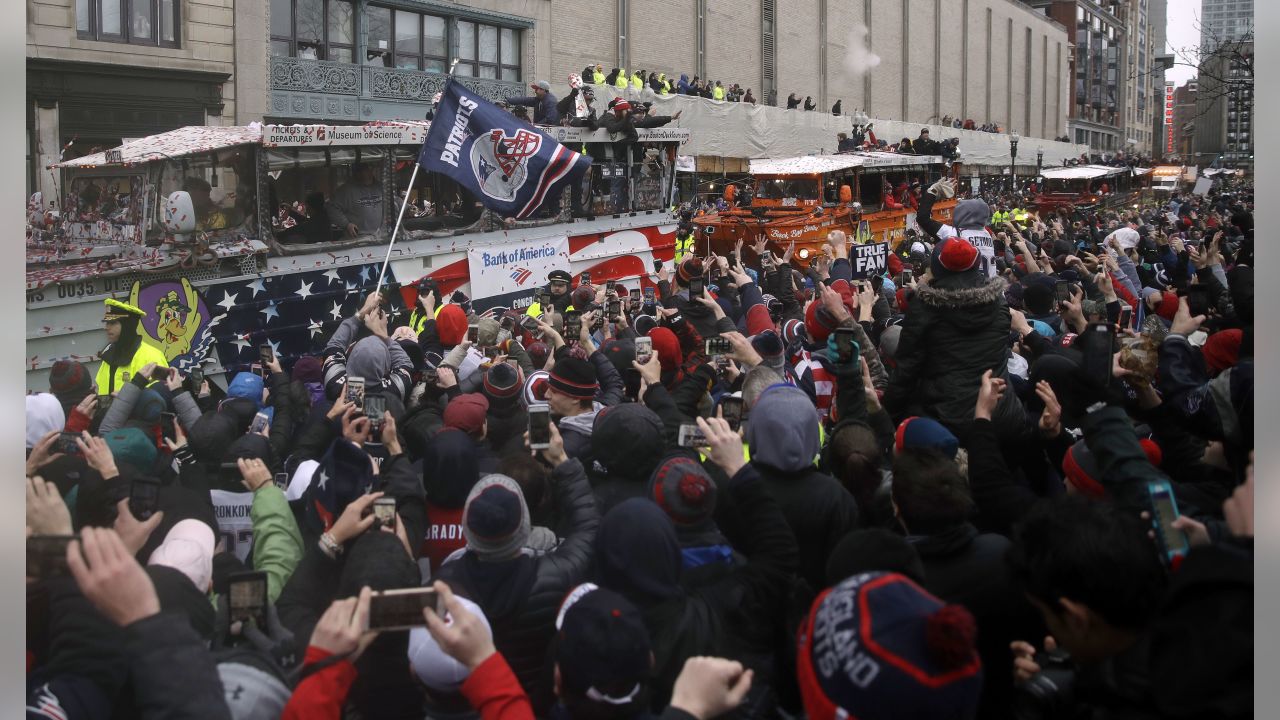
x: 109, y: 207
x: 222, y: 189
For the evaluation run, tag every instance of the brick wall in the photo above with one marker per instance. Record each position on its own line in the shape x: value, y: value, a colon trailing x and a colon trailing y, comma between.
x: 797, y: 49
x: 733, y: 43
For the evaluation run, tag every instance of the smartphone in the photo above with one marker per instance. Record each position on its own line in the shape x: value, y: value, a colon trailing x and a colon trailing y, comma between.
x: 1062, y: 291
x: 196, y: 377
x: 1126, y: 315
x: 544, y: 301
x: 1197, y: 300
x: 67, y: 443
x: 260, y: 423
x: 717, y: 346
x: 844, y: 344
x: 162, y: 374
x: 691, y: 437
x: 539, y: 426
x: 47, y: 555
x: 384, y: 512
x: 609, y: 286
x: 585, y: 279
x: 374, y: 406
x: 615, y: 308
x: 644, y: 349
x: 247, y: 598
x: 256, y: 369
x: 1164, y: 510
x: 144, y: 498
x: 473, y: 334
x: 657, y: 266
x: 907, y: 276
x: 731, y: 411
x: 1097, y: 353
x: 282, y: 481
x: 491, y: 353
x: 649, y: 296
x: 266, y: 354
x: 401, y: 609
x: 572, y: 325
x: 167, y: 420
x: 355, y: 391
x: 635, y: 296
x: 696, y: 287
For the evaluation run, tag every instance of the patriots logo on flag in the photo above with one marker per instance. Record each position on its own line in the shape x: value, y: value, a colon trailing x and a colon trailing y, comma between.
x: 509, y: 167
x: 521, y: 275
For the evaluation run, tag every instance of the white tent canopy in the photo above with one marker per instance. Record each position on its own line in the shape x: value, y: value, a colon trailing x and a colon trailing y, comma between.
x: 817, y: 164
x: 1082, y: 172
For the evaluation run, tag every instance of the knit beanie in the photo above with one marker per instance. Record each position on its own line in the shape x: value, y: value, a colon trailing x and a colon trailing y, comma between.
x: 645, y: 324
x: 538, y: 353
x: 308, y: 369
x: 667, y: 346
x: 535, y: 387
x: 627, y: 440
x: 44, y: 415
x: 70, y: 382
x: 502, y: 384
x: 487, y: 331
x: 953, y: 257
x: 247, y: 386
x: 148, y: 407
x: 131, y: 445
x: 684, y: 491
x: 1222, y: 350
x: 1083, y: 474
x: 914, y: 655
x: 495, y: 520
x: 574, y: 377
x: 451, y: 325
x: 793, y: 332
x: 889, y: 343
x: 923, y: 432
x: 1038, y: 298
x: 770, y: 348
x: 818, y: 322
x: 602, y: 649
x: 584, y: 296
x: 466, y: 413
x: 1168, y: 306
x: 690, y: 267
x: 252, y: 690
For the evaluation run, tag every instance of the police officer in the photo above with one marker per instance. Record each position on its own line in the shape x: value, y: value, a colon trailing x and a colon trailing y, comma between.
x: 428, y: 295
x: 125, y: 353
x: 684, y: 241
x: 558, y: 287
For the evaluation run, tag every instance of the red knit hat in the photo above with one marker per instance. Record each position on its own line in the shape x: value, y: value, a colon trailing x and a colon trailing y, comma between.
x: 466, y: 413
x: 1083, y: 473
x: 818, y: 322
x: 1222, y: 350
x: 451, y: 325
x: 690, y: 267
x: 954, y: 256
x: 667, y: 346
x: 1168, y: 306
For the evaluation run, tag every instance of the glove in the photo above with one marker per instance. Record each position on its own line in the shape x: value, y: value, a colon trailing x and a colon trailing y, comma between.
x: 833, y: 353
x: 943, y: 189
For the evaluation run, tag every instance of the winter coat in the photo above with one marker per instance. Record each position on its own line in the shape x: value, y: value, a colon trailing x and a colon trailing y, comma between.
x: 544, y: 108
x: 277, y: 542
x: 322, y: 694
x: 520, y: 597
x: 957, y: 328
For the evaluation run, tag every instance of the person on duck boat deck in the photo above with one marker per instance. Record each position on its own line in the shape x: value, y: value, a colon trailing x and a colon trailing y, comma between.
x: 125, y: 353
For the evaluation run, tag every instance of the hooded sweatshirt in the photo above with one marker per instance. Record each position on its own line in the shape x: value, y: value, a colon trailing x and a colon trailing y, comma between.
x: 358, y: 204
x: 627, y: 443
x: 784, y: 438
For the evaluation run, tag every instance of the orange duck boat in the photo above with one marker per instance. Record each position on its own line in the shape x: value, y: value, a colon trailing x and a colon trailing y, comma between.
x: 802, y: 199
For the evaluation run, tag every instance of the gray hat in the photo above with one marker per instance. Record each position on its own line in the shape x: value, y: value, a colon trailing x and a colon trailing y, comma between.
x: 543, y: 84
x: 889, y: 342
x: 495, y: 520
x: 252, y: 693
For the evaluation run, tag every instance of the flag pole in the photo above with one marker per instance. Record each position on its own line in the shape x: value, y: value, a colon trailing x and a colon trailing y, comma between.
x: 400, y: 217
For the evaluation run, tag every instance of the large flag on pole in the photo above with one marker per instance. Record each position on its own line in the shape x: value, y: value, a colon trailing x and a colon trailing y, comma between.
x: 510, y: 167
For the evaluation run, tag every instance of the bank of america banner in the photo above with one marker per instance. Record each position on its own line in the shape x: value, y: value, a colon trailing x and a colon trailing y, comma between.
x: 505, y: 274
x: 512, y: 168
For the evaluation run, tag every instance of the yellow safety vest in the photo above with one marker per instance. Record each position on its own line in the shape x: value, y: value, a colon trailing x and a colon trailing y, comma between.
x: 636, y: 82
x: 717, y: 93
x: 146, y: 354
x: 597, y: 78
x: 684, y: 246
x: 620, y: 82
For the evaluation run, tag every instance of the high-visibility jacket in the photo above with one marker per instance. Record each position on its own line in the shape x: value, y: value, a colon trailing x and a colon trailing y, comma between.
x: 1020, y: 217
x: 1000, y: 216
x: 597, y: 77
x: 717, y: 93
x: 621, y: 81
x: 684, y: 246
x: 109, y: 382
x: 636, y: 82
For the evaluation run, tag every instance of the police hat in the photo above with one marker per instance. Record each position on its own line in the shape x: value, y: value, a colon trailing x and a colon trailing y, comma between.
x: 559, y: 276
x: 117, y: 310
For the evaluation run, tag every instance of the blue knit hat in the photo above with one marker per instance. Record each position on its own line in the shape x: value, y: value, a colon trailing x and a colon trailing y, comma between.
x: 925, y: 432
x: 248, y: 386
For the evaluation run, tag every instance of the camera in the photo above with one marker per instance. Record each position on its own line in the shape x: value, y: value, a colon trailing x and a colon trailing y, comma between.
x: 1050, y: 693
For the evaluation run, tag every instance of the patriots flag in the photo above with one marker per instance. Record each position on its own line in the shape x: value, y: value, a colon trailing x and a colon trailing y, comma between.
x: 512, y: 168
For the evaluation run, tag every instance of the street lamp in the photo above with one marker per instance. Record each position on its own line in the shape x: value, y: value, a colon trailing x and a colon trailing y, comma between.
x: 1014, y: 137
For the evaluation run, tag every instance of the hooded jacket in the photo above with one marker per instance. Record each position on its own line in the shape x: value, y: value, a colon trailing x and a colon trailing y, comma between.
x: 784, y: 439
x: 734, y: 617
x: 449, y: 471
x: 628, y: 443
x: 956, y: 329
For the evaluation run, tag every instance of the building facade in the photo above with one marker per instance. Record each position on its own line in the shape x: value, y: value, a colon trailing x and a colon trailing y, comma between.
x: 1224, y: 107
x: 1141, y: 78
x: 1223, y: 21
x: 1184, y: 124
x: 102, y: 71
x: 1096, y: 32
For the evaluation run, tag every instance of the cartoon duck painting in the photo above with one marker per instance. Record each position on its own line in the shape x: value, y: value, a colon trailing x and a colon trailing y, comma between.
x: 178, y: 319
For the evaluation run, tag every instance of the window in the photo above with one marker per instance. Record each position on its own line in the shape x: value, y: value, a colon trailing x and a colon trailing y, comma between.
x: 488, y: 51
x: 313, y: 29
x: 139, y: 22
x: 420, y: 41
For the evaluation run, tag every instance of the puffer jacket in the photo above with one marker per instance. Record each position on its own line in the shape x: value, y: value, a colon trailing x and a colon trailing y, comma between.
x: 522, y: 613
x: 957, y: 328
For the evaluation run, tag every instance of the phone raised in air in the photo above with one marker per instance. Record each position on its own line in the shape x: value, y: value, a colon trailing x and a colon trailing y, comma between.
x: 539, y: 426
x: 696, y: 287
x: 374, y: 407
x: 167, y: 431
x: 635, y: 296
x: 691, y: 437
x: 1097, y: 353
x: 247, y: 599
x: 1126, y: 315
x: 649, y: 296
x: 585, y: 279
x: 67, y: 443
x: 718, y: 345
x: 196, y: 377
x: 384, y: 512
x: 266, y: 354
x: 47, y: 556
x: 731, y: 411
x: 1164, y: 510
x: 473, y: 334
x: 260, y: 423
x: 644, y: 349
x: 1062, y: 291
x: 572, y: 325
x: 355, y: 390
x: 401, y: 609
x: 615, y: 308
x: 1197, y: 300
x: 144, y: 497
x: 844, y: 345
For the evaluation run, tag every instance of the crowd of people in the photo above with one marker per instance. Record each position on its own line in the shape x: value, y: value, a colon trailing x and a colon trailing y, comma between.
x: 1010, y: 471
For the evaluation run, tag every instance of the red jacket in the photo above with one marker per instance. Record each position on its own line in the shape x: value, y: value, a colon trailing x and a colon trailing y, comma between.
x: 493, y: 690
x: 323, y: 693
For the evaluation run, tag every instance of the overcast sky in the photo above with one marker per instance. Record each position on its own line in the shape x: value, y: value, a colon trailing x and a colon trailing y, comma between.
x: 1183, y: 32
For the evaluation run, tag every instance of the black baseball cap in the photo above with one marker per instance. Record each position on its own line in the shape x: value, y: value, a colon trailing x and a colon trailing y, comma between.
x: 602, y: 646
